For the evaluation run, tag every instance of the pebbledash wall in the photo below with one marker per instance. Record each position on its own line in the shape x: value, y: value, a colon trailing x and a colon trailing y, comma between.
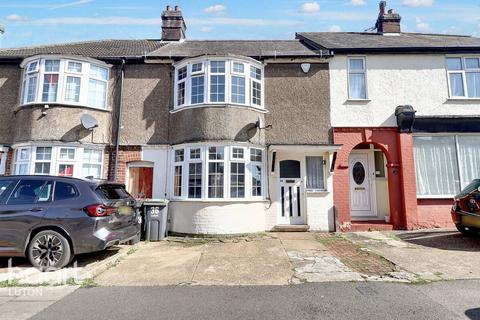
x: 393, y: 80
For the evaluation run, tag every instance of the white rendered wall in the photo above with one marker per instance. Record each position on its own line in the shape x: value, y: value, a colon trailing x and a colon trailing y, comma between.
x: 318, y: 206
x: 392, y: 80
x: 159, y: 157
x: 199, y: 217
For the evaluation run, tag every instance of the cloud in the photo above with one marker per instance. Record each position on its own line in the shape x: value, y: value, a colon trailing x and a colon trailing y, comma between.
x: 357, y: 2
x: 71, y: 4
x: 422, y: 26
x: 15, y: 18
x: 206, y: 29
x: 218, y: 9
x: 310, y: 7
x: 335, y: 28
x: 418, y: 3
x: 120, y: 20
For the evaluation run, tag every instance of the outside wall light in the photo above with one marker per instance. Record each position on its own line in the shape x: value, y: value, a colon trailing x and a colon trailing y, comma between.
x: 305, y: 67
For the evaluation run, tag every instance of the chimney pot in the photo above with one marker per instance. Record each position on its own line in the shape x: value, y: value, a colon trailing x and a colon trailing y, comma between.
x: 173, y: 25
x: 388, y: 21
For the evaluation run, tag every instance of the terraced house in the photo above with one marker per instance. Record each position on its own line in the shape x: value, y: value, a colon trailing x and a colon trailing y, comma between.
x: 235, y: 133
x: 404, y: 107
x: 330, y: 131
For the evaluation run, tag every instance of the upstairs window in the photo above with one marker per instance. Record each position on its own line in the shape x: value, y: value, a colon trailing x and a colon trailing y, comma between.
x: 357, y: 89
x: 464, y: 77
x: 65, y: 81
x: 217, y: 81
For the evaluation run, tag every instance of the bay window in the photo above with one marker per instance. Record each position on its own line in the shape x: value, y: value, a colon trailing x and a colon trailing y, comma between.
x: 63, y: 80
x: 217, y: 80
x: 217, y: 172
x: 58, y: 160
x: 445, y: 164
x: 463, y: 77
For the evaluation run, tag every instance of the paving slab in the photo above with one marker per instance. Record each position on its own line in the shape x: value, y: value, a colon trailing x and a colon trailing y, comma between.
x: 294, y: 235
x: 253, y: 249
x: 25, y: 302
x: 153, y: 264
x: 243, y: 271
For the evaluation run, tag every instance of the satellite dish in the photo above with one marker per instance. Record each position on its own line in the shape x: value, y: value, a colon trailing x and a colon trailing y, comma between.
x: 89, y: 122
x: 260, y: 123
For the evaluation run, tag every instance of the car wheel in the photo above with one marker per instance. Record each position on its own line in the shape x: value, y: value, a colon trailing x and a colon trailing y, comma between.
x: 49, y: 251
x: 466, y: 231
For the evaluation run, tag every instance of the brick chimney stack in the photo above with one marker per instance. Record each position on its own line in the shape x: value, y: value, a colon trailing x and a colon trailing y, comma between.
x: 173, y: 25
x: 388, y: 21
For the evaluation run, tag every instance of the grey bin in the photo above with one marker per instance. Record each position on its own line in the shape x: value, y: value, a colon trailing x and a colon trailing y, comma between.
x: 155, y: 213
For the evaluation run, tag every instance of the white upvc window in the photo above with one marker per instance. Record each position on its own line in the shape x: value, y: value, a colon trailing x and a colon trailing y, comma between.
x: 70, y: 161
x: 357, y: 78
x: 179, y: 155
x: 211, y: 172
x: 216, y: 81
x: 463, y: 77
x: 43, y: 160
x: 315, y: 166
x: 65, y: 81
x: 22, y: 161
x: 445, y: 164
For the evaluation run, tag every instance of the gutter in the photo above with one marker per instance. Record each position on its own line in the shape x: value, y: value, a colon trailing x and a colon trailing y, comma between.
x: 119, y: 123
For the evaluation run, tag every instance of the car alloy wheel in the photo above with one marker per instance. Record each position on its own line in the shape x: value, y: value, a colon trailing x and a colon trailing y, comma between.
x: 49, y: 250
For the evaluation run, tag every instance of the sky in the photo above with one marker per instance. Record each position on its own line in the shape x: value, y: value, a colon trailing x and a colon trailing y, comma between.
x: 35, y: 22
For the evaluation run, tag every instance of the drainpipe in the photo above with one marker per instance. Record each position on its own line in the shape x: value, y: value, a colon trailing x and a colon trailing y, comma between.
x: 119, y: 123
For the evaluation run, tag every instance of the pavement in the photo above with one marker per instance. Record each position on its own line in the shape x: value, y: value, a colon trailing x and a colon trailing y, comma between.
x: 18, y: 271
x: 22, y: 303
x: 432, y: 255
x: 334, y: 300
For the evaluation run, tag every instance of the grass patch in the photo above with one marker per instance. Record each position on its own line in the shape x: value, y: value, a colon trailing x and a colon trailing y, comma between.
x: 132, y: 250
x: 88, y: 283
x: 329, y: 239
x: 16, y: 283
x: 393, y: 236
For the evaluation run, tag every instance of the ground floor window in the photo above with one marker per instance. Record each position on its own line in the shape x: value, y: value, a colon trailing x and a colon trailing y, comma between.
x: 315, y: 173
x: 68, y: 161
x: 446, y: 164
x: 217, y: 172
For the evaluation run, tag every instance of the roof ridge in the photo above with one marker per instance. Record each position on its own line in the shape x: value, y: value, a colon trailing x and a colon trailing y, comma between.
x: 72, y: 43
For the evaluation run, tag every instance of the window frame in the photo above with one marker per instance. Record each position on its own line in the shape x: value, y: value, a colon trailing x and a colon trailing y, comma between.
x: 39, y: 72
x: 229, y: 73
x: 324, y: 170
x: 227, y: 160
x: 55, y: 161
x: 457, y: 155
x: 364, y: 72
x: 463, y: 72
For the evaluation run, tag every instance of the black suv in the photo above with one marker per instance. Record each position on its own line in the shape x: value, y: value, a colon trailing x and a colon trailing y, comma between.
x: 51, y: 219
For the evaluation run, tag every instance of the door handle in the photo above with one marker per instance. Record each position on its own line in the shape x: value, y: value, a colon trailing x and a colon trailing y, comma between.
x: 36, y: 209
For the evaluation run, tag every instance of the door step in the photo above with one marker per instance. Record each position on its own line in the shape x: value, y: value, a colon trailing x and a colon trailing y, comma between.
x: 291, y: 228
x: 359, y: 226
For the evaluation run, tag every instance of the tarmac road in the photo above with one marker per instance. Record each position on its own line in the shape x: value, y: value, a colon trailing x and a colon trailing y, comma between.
x: 338, y: 300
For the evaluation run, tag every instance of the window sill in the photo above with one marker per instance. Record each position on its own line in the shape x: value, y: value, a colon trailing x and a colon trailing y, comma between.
x: 215, y: 105
x: 58, y: 104
x: 439, y: 197
x: 472, y: 100
x: 318, y: 192
x: 357, y: 101
x: 220, y: 200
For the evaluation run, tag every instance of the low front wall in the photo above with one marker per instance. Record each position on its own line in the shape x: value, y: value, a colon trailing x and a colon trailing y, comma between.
x: 198, y: 217
x: 434, y: 213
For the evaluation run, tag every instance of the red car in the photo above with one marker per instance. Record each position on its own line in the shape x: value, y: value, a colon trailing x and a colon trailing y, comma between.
x: 466, y: 209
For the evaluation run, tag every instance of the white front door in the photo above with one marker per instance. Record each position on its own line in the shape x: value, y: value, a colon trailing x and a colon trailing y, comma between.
x: 362, y: 202
x: 291, y: 202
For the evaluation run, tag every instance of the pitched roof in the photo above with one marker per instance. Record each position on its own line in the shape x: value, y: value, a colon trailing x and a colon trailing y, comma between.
x: 93, y: 49
x: 371, y: 42
x: 249, y: 48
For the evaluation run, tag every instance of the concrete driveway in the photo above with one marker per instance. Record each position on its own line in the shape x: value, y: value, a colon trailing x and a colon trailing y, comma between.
x: 438, y: 254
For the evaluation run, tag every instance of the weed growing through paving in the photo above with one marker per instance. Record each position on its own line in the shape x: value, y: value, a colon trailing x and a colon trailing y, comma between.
x: 132, y: 250
x: 354, y: 256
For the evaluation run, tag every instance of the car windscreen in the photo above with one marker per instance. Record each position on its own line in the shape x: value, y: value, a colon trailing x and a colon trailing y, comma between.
x: 4, y: 184
x: 470, y: 188
x: 113, y: 192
